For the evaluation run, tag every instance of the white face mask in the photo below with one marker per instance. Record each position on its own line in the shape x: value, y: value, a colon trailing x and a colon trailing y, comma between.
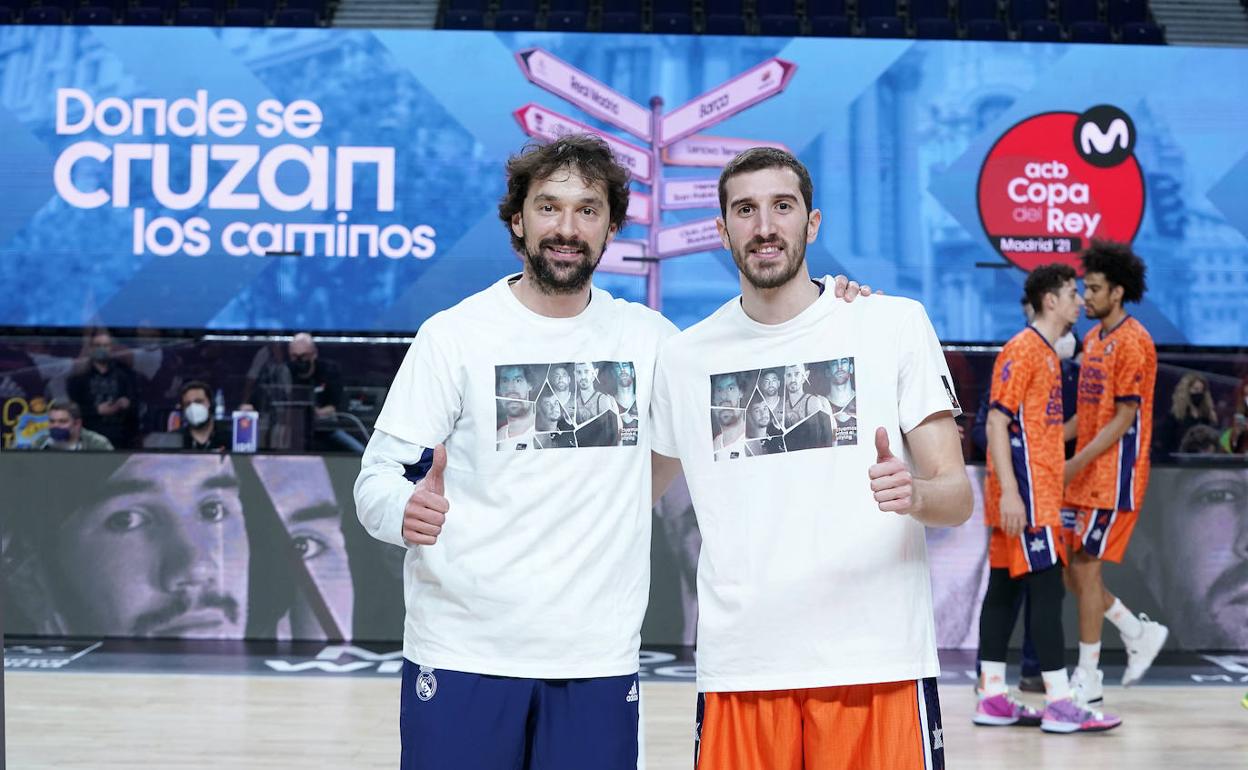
x: 1065, y: 346
x: 196, y: 414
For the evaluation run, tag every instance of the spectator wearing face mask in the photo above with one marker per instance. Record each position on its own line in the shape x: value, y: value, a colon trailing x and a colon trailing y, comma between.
x: 324, y: 379
x: 1191, y: 404
x: 199, y: 432
x: 106, y: 393
x: 65, y: 431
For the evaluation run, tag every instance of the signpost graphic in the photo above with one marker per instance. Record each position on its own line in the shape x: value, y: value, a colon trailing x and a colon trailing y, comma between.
x: 673, y: 139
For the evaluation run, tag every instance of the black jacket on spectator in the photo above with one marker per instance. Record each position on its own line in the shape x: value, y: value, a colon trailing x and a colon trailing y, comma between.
x: 325, y: 382
x: 92, y: 388
x: 217, y: 442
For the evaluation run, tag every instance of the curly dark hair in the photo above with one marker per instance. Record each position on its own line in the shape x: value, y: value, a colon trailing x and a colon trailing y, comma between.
x: 588, y: 155
x: 759, y: 158
x: 1120, y: 266
x: 1046, y: 279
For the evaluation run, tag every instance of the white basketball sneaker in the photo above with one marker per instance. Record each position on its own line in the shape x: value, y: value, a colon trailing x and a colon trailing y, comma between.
x: 1143, y: 649
x: 1088, y: 687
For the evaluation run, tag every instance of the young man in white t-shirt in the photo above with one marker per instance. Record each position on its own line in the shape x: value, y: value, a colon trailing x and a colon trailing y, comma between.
x: 816, y: 641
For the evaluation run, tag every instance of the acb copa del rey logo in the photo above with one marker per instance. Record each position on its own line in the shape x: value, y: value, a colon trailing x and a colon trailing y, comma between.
x: 1054, y: 182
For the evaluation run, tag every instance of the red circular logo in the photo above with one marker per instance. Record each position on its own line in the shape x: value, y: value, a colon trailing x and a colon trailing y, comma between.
x: 1056, y: 181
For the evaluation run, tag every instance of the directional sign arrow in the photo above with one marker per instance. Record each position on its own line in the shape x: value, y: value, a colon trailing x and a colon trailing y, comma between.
x: 624, y: 257
x: 713, y: 151
x: 748, y: 88
x: 546, y: 70
x: 639, y: 208
x: 690, y: 193
x: 701, y: 235
x: 548, y: 125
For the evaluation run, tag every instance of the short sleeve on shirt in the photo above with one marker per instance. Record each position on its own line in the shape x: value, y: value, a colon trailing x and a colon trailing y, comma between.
x: 1009, y: 379
x: 924, y: 385
x: 1130, y: 372
x: 425, y: 399
x: 662, y: 434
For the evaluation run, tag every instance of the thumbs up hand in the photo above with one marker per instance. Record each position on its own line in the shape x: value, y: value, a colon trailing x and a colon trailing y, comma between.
x: 890, y: 478
x: 426, y: 509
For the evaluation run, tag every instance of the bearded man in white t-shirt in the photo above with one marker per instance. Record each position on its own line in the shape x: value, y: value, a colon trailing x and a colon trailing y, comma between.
x: 524, y: 593
x: 816, y: 641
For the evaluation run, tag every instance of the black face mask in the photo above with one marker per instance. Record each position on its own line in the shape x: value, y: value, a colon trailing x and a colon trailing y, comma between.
x: 301, y: 368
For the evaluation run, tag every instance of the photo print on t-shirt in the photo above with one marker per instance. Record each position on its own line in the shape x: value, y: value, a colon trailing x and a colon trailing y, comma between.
x: 566, y: 405
x: 784, y: 408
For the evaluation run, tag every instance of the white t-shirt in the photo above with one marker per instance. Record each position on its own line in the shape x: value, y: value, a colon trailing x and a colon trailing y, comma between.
x: 802, y: 580
x: 542, y: 568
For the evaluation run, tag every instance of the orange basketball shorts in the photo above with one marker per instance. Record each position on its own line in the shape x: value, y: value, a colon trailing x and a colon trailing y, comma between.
x: 890, y: 726
x: 1103, y: 533
x: 1034, y: 550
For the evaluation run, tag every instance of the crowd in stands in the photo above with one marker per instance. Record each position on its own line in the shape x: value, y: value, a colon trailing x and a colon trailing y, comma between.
x: 1192, y: 424
x: 173, y: 397
x: 158, y: 394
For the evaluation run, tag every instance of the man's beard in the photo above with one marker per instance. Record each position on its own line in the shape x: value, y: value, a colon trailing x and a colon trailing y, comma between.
x: 773, y: 275
x: 1094, y: 314
x: 564, y: 279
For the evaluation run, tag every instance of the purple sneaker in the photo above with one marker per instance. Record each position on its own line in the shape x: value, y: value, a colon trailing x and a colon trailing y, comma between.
x: 1065, y: 716
x: 1001, y: 710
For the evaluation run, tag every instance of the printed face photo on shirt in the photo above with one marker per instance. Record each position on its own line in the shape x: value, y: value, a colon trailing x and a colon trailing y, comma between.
x: 567, y: 404
x: 784, y: 408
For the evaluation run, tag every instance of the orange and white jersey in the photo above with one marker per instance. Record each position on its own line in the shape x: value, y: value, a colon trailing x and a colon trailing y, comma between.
x: 1027, y: 387
x: 1119, y: 365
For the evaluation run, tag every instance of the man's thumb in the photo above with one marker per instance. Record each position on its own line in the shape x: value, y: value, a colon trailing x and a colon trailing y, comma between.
x: 882, y: 451
x: 433, y: 479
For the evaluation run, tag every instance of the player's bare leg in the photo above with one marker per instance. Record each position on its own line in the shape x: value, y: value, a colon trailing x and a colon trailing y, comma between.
x: 1090, y: 594
x: 1085, y: 580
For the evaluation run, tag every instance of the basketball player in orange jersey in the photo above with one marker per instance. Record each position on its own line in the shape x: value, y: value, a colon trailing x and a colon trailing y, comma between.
x: 1106, y: 479
x: 1022, y: 504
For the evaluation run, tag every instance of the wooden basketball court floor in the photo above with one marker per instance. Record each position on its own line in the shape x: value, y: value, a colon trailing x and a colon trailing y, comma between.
x: 121, y: 720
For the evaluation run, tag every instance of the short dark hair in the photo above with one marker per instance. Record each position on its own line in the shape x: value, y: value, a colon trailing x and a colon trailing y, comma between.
x: 1200, y: 439
x: 759, y: 158
x: 1120, y: 266
x: 1046, y: 279
x: 194, y: 385
x: 588, y: 155
x: 66, y: 405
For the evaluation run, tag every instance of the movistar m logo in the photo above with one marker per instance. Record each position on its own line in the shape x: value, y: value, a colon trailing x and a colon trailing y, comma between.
x: 1092, y: 138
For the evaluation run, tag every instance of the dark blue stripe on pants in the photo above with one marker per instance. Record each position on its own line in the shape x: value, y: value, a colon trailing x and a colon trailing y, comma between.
x: 935, y: 728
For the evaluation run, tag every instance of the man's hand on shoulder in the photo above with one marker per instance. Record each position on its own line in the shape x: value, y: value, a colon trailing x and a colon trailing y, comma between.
x: 850, y: 290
